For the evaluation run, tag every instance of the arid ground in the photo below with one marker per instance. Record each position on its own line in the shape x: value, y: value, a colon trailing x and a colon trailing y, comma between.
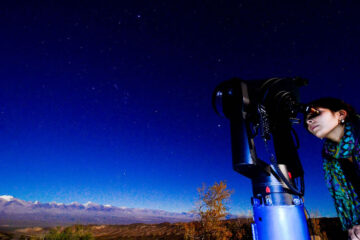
x: 321, y: 229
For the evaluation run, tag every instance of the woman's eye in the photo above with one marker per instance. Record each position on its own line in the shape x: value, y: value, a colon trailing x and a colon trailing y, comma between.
x: 309, y: 117
x: 313, y: 115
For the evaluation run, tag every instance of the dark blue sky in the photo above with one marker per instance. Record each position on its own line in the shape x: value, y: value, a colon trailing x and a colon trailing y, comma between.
x: 111, y: 102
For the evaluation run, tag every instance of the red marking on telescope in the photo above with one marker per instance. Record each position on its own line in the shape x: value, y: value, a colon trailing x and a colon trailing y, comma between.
x: 267, y: 189
x: 289, y: 173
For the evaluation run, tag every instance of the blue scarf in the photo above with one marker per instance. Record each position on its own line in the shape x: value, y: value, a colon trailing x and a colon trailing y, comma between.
x: 347, y: 201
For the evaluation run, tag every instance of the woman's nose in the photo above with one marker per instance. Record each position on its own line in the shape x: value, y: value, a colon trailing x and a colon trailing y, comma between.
x: 309, y: 121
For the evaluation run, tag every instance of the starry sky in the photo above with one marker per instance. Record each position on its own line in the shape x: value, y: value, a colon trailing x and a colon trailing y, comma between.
x: 110, y: 101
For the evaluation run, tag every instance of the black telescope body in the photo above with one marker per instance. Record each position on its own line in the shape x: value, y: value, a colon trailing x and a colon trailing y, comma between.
x: 267, y: 109
x: 240, y: 103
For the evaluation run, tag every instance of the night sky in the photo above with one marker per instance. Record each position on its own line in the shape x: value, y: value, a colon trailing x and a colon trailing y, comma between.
x: 110, y: 102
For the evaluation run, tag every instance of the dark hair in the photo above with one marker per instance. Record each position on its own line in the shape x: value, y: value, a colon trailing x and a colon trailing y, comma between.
x: 335, y: 104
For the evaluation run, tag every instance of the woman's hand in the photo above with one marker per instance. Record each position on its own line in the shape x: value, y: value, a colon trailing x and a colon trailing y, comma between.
x: 354, y: 232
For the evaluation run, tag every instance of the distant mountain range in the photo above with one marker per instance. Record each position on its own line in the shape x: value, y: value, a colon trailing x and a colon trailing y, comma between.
x: 19, y: 213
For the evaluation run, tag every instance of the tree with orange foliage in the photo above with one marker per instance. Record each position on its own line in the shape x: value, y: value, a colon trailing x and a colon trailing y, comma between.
x: 211, y: 209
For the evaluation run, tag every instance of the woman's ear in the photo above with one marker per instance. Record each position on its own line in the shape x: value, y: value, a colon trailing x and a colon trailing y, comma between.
x: 342, y: 114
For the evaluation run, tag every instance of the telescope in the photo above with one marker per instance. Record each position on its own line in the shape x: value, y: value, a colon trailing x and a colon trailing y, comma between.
x: 267, y: 110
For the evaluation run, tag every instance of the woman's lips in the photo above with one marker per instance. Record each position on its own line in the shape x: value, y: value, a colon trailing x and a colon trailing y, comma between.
x: 312, y: 128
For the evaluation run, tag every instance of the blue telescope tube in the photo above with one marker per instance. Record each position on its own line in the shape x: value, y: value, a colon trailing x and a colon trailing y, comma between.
x: 286, y: 222
x: 278, y: 215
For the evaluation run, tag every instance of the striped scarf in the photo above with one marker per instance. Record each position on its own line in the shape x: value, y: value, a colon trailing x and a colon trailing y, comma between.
x: 347, y: 202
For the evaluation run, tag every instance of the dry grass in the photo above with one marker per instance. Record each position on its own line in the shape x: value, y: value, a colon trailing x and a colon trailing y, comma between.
x: 323, y: 229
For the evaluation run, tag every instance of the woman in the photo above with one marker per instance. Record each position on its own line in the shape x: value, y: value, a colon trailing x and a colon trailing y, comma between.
x: 337, y: 122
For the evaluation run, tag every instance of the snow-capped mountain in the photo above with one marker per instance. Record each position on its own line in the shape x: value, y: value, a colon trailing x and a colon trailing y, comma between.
x: 20, y: 213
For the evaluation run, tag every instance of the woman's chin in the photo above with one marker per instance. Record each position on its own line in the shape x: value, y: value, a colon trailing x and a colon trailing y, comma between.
x: 319, y: 135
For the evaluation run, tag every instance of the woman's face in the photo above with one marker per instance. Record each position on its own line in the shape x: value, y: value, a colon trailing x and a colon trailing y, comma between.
x: 323, y: 124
